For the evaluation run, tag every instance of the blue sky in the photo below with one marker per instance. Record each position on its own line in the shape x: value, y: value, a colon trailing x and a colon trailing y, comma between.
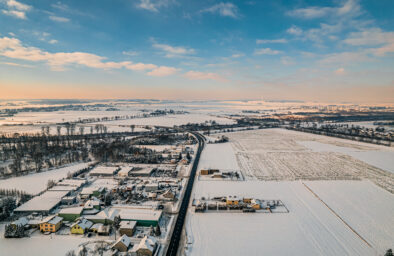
x: 305, y: 50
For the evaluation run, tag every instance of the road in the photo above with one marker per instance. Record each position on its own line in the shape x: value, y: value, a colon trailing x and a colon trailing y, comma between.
x: 180, y: 221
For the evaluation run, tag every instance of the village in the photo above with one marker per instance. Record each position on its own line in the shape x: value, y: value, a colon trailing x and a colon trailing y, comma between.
x: 124, y: 208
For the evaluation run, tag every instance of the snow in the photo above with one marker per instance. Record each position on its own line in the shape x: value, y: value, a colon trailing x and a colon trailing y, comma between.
x: 364, y: 206
x: 37, y: 182
x: 309, y: 229
x: 44, y: 202
x: 381, y: 159
x: 218, y: 156
x: 39, y: 244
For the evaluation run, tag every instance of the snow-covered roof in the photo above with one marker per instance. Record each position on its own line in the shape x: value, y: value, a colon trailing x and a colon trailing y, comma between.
x: 45, y: 202
x: 128, y: 224
x: 131, y: 213
x: 83, y: 223
x: 62, y: 188
x: 124, y: 240
x: 148, y: 243
x: 55, y: 220
x: 71, y: 210
x: 21, y: 221
x: 103, y: 170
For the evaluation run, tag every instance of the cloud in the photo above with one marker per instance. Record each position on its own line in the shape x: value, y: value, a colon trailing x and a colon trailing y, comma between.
x: 267, y: 51
x: 16, y: 9
x: 59, y: 19
x: 15, y: 64
x: 373, y: 37
x: 224, y: 9
x: 237, y: 55
x: 345, y: 57
x: 294, y: 30
x: 339, y: 71
x: 162, y: 71
x: 349, y: 7
x: 17, y: 14
x: 196, y: 75
x: 153, y: 5
x: 130, y: 53
x: 271, y: 41
x: 53, y: 41
x: 17, y: 5
x: 13, y: 48
x: 171, y: 51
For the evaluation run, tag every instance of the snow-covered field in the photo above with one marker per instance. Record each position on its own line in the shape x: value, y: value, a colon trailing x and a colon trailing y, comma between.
x: 278, y: 154
x: 171, y: 120
x: 37, y: 182
x: 347, y: 217
x: 365, y: 207
x: 309, y: 229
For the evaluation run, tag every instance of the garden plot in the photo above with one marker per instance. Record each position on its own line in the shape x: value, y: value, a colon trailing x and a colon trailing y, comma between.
x: 367, y: 208
x: 276, y: 154
x: 37, y: 182
x: 309, y: 228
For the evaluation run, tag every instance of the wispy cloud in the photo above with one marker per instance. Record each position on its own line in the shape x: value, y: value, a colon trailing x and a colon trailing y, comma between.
x: 59, y: 19
x: 294, y: 30
x: 348, y: 7
x: 224, y: 9
x: 271, y: 41
x: 196, y: 75
x: 340, y: 71
x: 16, y: 9
x: 174, y: 51
x: 13, y: 48
x: 266, y: 51
x: 163, y: 71
x: 130, y: 53
x: 153, y: 5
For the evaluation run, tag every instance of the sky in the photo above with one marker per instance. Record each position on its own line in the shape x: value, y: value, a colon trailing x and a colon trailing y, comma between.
x: 328, y: 51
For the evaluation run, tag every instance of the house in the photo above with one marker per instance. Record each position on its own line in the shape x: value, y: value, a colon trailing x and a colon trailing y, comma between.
x: 104, y: 230
x: 69, y: 200
x: 91, y: 191
x: 147, y: 246
x: 151, y: 187
x: 71, y: 213
x: 51, y: 224
x: 95, y: 228
x: 23, y: 221
x: 208, y: 171
x: 122, y: 244
x: 169, y: 195
x: 103, y: 171
x: 232, y: 200
x: 127, y: 228
x: 81, y: 226
x: 106, y: 216
x: 255, y: 204
x: 94, y: 203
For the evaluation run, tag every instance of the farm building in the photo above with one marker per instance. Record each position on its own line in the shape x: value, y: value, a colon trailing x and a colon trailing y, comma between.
x: 103, y: 171
x: 44, y: 203
x: 142, y: 171
x: 70, y: 214
x: 122, y: 244
x: 106, y: 216
x: 125, y: 171
x: 232, y: 200
x: 91, y: 191
x: 80, y: 227
x: 208, y: 171
x: 51, y: 224
x: 127, y: 228
x: 143, y: 216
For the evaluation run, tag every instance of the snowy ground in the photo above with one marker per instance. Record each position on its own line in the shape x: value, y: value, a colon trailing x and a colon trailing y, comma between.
x: 37, y: 182
x: 364, y: 206
x: 335, y: 217
x: 277, y: 154
x: 309, y: 229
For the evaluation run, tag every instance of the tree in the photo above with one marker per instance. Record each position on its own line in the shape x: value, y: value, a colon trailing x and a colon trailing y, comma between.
x: 70, y: 253
x: 389, y: 253
x: 116, y: 224
x: 157, y: 230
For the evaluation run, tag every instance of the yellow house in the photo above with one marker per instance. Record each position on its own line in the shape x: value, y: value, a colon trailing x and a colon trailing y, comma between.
x: 81, y: 226
x: 255, y: 204
x: 51, y: 224
x: 232, y: 200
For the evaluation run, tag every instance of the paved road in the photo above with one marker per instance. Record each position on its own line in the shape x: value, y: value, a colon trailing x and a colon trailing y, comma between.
x: 180, y: 221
